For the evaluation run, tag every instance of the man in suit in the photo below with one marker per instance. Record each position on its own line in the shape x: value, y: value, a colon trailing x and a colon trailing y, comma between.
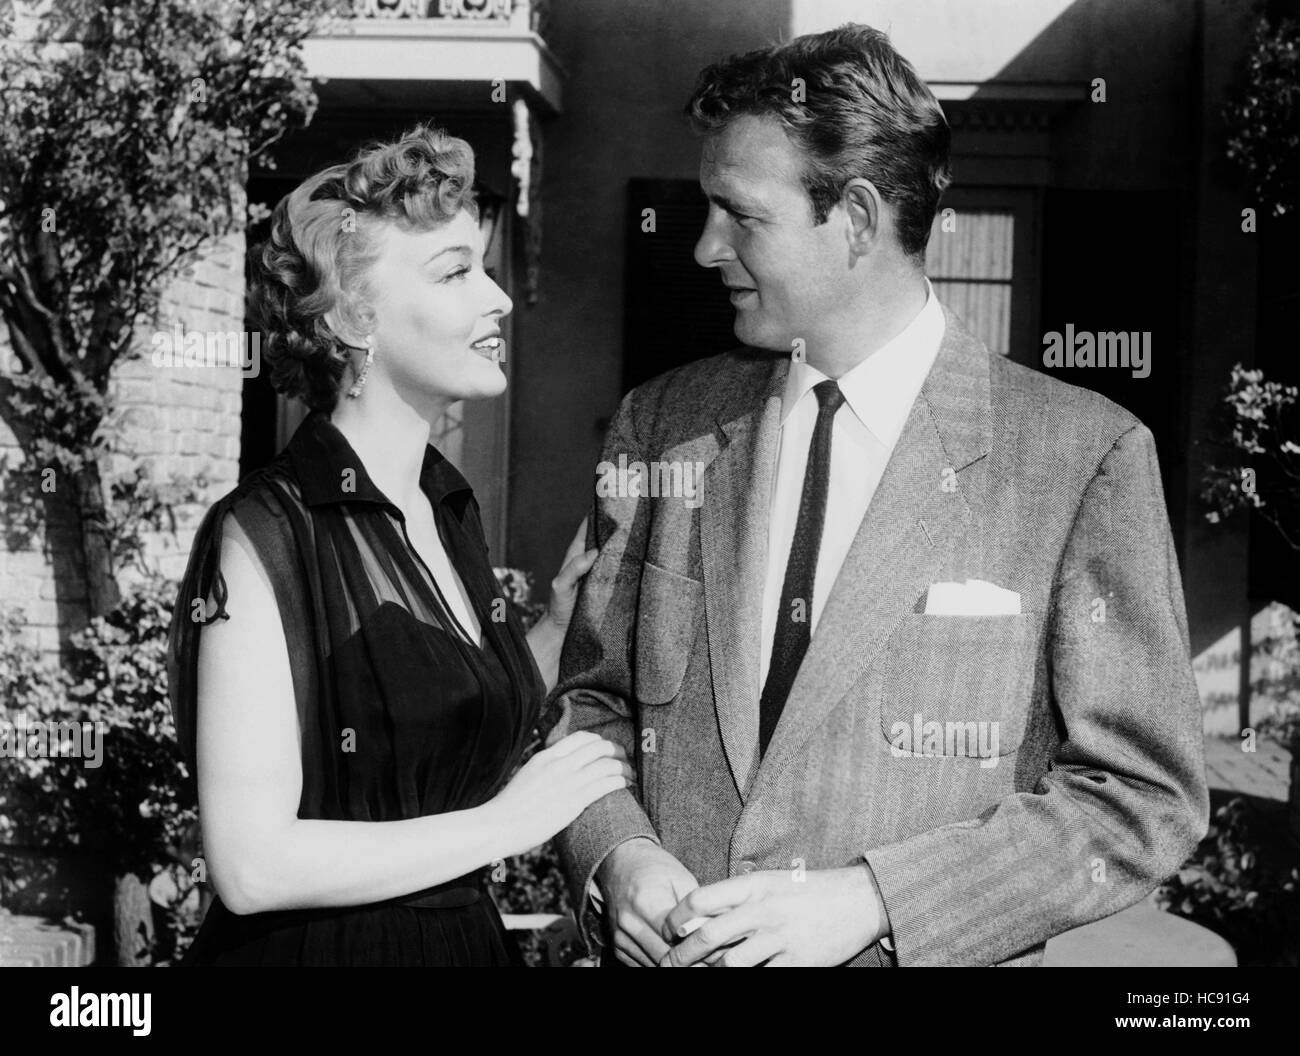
x: 907, y: 681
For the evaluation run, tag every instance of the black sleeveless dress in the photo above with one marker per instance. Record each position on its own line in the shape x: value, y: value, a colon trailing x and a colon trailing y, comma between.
x: 401, y: 714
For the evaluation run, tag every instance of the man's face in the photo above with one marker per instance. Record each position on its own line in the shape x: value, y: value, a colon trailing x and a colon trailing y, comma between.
x: 788, y: 277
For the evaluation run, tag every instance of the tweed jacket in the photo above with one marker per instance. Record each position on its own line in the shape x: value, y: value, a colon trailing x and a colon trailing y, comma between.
x: 984, y: 847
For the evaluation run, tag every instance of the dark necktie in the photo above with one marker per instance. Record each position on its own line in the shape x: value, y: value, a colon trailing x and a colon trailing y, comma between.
x: 793, y: 621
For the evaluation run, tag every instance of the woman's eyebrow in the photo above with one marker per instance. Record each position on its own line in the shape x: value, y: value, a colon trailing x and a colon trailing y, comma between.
x: 450, y: 249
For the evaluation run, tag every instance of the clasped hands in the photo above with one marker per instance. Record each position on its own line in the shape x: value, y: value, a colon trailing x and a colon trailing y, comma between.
x: 658, y: 914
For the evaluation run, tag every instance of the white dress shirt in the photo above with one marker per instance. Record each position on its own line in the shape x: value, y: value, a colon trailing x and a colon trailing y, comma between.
x: 878, y: 396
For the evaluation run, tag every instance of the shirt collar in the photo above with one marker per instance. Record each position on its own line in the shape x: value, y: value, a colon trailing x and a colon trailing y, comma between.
x: 881, y: 389
x: 320, y: 453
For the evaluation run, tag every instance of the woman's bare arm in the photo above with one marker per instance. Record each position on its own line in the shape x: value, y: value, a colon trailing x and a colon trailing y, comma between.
x: 261, y: 856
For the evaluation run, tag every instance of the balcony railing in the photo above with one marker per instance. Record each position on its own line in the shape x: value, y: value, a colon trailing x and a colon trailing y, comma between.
x: 530, y: 15
x: 423, y: 42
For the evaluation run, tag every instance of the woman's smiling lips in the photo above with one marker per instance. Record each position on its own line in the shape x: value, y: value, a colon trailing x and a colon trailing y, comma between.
x: 490, y: 347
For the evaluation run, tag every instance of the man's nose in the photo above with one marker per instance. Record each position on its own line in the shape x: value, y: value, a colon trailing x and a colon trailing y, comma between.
x: 712, y: 249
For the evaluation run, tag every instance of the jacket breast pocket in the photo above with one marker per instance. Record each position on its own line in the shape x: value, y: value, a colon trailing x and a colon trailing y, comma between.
x: 668, y: 612
x: 958, y: 685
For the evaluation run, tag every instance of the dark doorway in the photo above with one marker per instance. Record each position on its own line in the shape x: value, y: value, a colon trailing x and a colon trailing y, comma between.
x: 257, y: 428
x: 675, y: 310
x: 1111, y: 262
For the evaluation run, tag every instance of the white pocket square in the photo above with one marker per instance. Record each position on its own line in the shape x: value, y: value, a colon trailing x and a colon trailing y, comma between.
x: 975, y: 597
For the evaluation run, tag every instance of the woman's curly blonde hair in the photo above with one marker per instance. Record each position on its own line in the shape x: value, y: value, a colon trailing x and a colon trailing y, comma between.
x: 323, y: 241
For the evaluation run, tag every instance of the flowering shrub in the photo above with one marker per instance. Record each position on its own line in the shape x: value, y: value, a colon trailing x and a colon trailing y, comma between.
x: 137, y: 809
x: 518, y: 589
x: 1263, y: 472
x: 136, y: 812
x: 1264, y: 116
x: 26, y: 689
x: 1230, y: 890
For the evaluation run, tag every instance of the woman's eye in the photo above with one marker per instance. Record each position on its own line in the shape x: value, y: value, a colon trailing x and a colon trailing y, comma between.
x: 459, y: 273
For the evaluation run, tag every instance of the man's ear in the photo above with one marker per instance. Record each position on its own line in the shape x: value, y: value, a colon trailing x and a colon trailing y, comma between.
x: 865, y: 212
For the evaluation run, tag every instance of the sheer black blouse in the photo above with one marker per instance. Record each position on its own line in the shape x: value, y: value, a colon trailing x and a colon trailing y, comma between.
x: 401, y: 714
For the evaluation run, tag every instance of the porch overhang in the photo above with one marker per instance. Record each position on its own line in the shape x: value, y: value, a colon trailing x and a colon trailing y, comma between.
x: 436, y: 50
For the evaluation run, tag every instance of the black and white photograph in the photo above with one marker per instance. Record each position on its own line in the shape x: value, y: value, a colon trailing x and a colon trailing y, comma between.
x: 650, y: 483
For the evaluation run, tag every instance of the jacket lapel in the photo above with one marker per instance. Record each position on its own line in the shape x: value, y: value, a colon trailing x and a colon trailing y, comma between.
x: 917, y: 508
x: 733, y: 543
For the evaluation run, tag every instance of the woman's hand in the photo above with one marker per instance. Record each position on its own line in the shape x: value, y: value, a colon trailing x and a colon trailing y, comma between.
x: 555, y: 786
x: 546, y: 638
x: 564, y: 587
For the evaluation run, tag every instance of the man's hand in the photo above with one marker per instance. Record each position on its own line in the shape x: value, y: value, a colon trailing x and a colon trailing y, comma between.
x: 641, y: 882
x: 823, y: 917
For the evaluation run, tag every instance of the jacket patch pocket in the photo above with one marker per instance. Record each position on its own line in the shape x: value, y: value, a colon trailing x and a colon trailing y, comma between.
x: 666, y: 621
x: 958, y: 685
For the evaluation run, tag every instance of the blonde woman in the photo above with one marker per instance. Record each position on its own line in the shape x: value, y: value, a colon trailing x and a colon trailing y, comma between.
x: 349, y: 703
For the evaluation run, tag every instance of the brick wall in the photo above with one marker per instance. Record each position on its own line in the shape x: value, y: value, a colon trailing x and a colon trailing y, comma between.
x: 178, y: 421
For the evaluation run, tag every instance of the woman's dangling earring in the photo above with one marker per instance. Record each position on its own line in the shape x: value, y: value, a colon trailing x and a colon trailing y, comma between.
x: 355, y: 391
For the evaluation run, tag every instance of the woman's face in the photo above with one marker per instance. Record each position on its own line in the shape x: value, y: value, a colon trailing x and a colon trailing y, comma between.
x: 437, y: 314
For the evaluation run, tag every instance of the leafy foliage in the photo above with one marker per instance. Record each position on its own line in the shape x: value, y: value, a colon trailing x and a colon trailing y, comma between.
x: 1263, y: 471
x: 518, y: 589
x: 127, y: 128
x: 126, y: 131
x: 1264, y: 116
x: 137, y: 809
x: 534, y: 883
x: 1229, y: 890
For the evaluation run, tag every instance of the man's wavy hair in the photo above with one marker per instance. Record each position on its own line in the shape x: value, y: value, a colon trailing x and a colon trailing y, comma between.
x: 324, y: 239
x: 864, y: 113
